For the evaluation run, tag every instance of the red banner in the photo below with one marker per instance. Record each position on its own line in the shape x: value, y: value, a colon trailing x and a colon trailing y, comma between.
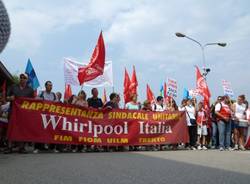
x: 50, y: 122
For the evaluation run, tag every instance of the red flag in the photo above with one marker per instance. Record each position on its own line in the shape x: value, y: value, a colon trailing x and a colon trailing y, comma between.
x: 96, y: 65
x: 208, y: 112
x: 4, y: 89
x: 206, y: 104
x: 201, y: 85
x: 126, y: 84
x: 150, y: 95
x: 67, y: 92
x: 203, y: 90
x: 104, y: 97
x: 134, y: 84
x: 165, y: 90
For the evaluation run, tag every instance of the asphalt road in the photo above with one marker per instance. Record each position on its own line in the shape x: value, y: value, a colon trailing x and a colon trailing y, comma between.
x: 126, y: 167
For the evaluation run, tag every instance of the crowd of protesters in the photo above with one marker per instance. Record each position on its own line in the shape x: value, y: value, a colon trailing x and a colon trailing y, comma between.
x: 223, y: 128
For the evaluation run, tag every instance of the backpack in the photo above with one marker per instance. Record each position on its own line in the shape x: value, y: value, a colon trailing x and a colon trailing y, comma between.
x: 42, y: 95
x: 213, y: 114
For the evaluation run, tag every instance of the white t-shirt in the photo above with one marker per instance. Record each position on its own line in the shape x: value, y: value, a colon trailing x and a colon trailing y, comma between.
x: 240, y: 111
x: 158, y: 108
x: 217, y: 107
x: 44, y: 95
x: 190, y: 113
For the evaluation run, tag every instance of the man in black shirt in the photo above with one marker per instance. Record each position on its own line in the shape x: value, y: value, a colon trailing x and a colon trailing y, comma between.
x: 19, y: 90
x: 94, y: 101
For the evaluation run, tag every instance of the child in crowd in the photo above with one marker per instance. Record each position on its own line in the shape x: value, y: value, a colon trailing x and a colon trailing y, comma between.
x: 201, y: 127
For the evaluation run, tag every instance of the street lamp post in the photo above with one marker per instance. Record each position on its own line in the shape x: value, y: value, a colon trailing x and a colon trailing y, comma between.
x: 206, y: 70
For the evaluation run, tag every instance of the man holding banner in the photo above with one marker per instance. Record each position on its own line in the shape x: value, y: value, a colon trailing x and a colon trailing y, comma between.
x: 19, y: 90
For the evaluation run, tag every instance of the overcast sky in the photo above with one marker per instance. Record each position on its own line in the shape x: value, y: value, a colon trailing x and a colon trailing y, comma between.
x: 136, y: 32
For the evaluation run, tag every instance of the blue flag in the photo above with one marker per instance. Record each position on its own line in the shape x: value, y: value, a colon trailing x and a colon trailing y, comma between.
x: 33, y: 80
x: 162, y: 91
x: 186, y: 94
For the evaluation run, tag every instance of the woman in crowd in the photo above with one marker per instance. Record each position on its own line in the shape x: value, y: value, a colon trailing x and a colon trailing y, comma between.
x: 191, y: 123
x: 171, y: 105
x: 183, y: 109
x: 240, y: 122
x: 80, y: 100
x: 133, y: 104
x: 147, y: 106
x: 224, y: 113
x: 182, y: 106
x: 71, y: 99
x: 59, y: 96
